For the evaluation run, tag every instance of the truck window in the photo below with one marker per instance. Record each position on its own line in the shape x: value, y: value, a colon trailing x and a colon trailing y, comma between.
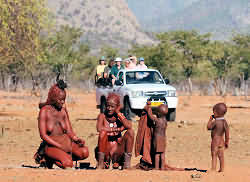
x: 142, y: 77
x: 157, y: 78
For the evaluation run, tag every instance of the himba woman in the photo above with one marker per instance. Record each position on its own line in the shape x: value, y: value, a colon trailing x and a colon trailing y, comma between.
x: 60, y: 144
x: 112, y: 145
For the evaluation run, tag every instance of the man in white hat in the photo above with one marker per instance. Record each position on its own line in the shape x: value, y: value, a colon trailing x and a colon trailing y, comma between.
x: 115, y: 69
x: 127, y: 63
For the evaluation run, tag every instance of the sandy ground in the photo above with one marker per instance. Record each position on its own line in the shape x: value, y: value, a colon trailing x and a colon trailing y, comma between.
x: 188, y: 141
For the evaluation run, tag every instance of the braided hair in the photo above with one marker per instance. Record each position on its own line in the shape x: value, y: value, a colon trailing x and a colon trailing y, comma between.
x: 54, y: 92
x: 114, y: 97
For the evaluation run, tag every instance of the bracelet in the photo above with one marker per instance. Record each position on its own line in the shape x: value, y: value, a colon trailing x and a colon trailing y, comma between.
x: 121, y: 116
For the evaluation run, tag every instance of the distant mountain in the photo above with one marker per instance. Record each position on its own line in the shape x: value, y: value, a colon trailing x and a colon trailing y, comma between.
x: 150, y: 12
x: 220, y: 17
x: 103, y: 21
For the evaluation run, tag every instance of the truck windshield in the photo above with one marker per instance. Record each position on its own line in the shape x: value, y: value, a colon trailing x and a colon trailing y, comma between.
x: 142, y: 77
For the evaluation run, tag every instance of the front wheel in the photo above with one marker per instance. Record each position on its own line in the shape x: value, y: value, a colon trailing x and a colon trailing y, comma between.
x: 171, y: 114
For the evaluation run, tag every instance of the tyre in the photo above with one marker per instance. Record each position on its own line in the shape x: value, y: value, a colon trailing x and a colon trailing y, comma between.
x: 127, y: 110
x: 103, y: 105
x: 171, y: 114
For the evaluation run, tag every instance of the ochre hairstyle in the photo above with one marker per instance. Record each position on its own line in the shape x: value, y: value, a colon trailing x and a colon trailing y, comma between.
x: 114, y: 97
x: 54, y: 92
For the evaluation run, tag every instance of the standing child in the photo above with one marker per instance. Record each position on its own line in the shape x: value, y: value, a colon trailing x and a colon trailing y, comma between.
x: 218, y: 126
x: 159, y: 133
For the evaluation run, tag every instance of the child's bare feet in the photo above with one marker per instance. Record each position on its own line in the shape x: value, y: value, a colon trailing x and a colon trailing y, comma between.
x: 211, y: 171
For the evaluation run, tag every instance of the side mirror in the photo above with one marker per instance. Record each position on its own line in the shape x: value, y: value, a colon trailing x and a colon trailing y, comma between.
x: 118, y: 82
x: 167, y: 81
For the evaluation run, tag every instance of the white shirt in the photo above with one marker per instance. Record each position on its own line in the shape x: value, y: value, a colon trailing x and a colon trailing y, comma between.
x: 141, y: 66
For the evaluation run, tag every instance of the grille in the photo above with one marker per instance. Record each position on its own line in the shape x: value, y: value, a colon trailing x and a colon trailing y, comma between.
x: 155, y: 93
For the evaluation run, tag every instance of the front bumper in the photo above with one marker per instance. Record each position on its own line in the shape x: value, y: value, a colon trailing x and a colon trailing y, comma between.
x: 140, y: 102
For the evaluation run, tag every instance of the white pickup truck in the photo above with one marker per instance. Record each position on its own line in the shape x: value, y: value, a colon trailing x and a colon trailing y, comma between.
x: 135, y: 87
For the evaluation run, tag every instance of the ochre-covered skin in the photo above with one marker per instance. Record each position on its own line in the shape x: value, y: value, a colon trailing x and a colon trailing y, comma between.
x: 110, y: 125
x: 159, y: 136
x: 219, y: 127
x: 62, y: 144
x: 144, y: 138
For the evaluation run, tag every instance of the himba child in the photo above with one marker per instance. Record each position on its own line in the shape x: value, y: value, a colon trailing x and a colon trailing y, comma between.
x: 218, y: 126
x: 159, y: 133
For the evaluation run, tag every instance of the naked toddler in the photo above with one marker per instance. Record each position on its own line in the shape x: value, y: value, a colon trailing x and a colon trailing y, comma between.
x: 159, y: 136
x: 218, y: 126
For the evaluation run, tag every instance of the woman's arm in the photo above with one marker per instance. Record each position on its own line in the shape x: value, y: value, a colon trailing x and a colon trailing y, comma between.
x: 98, y: 71
x: 126, y: 123
x: 120, y: 129
x: 70, y: 131
x: 43, y: 114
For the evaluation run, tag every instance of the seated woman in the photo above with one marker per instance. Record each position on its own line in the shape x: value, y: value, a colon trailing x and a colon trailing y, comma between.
x: 112, y: 145
x: 60, y: 144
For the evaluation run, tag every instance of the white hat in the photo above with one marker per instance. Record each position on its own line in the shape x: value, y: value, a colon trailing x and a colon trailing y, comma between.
x: 118, y: 59
x: 127, y: 60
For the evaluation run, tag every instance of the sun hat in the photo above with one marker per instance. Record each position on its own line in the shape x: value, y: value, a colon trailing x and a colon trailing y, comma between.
x: 141, y: 59
x: 127, y: 60
x: 103, y: 58
x: 118, y: 59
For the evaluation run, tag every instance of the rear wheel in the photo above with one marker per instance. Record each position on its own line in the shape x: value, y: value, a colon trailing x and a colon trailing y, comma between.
x: 103, y: 105
x: 171, y: 114
x: 127, y: 110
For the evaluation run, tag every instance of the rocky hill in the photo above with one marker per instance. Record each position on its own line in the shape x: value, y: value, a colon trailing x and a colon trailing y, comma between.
x: 105, y: 22
x: 220, y: 17
x: 151, y: 13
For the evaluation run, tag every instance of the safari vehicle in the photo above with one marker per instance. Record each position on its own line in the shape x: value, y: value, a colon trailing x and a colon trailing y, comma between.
x: 135, y: 87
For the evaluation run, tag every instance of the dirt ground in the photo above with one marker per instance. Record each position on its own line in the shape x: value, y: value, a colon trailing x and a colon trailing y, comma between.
x: 188, y: 141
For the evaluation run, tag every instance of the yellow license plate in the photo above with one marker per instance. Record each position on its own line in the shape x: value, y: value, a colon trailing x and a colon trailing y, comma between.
x: 156, y: 104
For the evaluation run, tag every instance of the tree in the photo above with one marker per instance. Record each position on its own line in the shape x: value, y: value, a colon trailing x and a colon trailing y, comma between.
x: 242, y: 43
x: 193, y: 49
x: 66, y: 54
x: 109, y: 52
x: 61, y: 50
x: 222, y: 56
x: 163, y: 57
x: 21, y: 24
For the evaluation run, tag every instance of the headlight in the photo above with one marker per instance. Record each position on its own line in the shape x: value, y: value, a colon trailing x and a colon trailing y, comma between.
x: 171, y: 93
x: 137, y: 93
